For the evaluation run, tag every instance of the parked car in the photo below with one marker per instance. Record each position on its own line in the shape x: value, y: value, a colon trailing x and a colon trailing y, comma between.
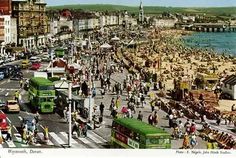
x: 35, y: 59
x: 45, y: 58
x: 5, y: 71
x: 35, y: 66
x: 12, y: 58
x: 1, y: 75
x: 12, y: 106
x: 17, y: 67
x: 17, y: 75
x: 10, y: 68
x: 3, y: 123
x: 25, y: 64
x: 2, y: 104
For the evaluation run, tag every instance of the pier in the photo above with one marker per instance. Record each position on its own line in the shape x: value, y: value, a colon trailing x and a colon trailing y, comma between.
x: 208, y: 27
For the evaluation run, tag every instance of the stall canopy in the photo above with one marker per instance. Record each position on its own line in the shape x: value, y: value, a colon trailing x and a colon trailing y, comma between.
x: 106, y: 46
x: 61, y: 84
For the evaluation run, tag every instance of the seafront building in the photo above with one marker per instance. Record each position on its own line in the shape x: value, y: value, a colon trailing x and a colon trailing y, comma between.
x: 7, y: 25
x: 32, y: 23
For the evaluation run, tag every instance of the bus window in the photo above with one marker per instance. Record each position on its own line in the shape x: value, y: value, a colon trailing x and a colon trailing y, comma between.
x: 46, y: 87
x: 50, y: 99
x: 42, y: 99
x: 152, y: 141
x: 136, y: 137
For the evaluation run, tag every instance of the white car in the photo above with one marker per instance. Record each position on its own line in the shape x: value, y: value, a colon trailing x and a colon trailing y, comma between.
x: 12, y: 58
x: 35, y: 59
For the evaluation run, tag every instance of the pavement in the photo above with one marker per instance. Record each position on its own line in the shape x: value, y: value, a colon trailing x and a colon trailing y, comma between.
x: 105, y: 130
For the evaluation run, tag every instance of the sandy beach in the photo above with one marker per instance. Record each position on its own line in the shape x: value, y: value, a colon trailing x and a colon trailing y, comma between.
x: 166, y: 55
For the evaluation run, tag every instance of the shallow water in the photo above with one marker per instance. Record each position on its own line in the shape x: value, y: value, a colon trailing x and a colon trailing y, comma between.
x: 221, y: 42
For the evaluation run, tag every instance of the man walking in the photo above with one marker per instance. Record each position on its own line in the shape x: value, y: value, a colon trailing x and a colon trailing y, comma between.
x: 140, y: 116
x: 101, y: 108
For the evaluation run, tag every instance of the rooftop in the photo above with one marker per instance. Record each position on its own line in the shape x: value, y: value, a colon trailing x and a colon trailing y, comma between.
x: 41, y: 81
x: 140, y: 127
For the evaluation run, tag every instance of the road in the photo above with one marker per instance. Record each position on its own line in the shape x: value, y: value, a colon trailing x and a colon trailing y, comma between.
x: 58, y: 128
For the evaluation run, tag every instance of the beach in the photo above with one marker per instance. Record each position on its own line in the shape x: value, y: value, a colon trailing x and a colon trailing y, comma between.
x: 166, y: 56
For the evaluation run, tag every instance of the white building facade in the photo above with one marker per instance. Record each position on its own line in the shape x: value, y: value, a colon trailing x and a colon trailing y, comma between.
x: 169, y: 23
x: 229, y: 86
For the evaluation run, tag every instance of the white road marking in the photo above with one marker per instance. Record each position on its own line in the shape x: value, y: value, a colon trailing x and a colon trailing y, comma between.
x: 8, y: 120
x: 15, y: 129
x: 41, y: 137
x: 6, y: 94
x: 87, y: 142
x: 11, y: 144
x: 56, y: 138
x: 41, y: 126
x: 20, y: 118
x: 19, y: 139
x: 4, y: 82
x: 96, y: 137
x: 23, y: 92
x: 73, y: 142
x: 1, y: 112
x: 1, y: 146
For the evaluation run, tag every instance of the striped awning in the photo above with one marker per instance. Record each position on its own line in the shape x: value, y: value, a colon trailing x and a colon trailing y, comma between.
x: 231, y: 80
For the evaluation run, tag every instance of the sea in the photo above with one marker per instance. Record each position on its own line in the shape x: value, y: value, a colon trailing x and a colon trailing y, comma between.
x: 220, y: 42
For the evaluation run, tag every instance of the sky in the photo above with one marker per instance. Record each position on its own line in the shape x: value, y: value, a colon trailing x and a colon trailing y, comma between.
x: 167, y: 3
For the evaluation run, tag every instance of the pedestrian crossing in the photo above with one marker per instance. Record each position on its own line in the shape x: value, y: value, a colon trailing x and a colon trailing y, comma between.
x: 60, y: 139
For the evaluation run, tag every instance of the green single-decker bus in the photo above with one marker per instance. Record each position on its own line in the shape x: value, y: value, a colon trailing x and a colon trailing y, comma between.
x: 131, y: 133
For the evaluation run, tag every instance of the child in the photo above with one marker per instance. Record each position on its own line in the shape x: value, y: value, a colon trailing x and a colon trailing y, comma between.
x: 193, y: 141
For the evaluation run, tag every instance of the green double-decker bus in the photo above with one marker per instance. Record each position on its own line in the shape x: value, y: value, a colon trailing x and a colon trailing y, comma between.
x: 134, y: 134
x: 42, y: 94
x: 59, y: 52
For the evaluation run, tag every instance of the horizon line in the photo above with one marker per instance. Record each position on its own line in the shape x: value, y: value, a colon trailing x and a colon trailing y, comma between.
x: 138, y: 6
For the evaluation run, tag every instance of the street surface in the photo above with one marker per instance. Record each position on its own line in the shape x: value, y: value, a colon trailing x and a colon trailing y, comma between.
x: 58, y: 128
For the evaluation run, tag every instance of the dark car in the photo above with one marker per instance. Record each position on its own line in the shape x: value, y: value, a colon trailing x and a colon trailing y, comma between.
x: 14, y: 67
x: 17, y: 75
x: 5, y: 71
x: 2, y: 104
x: 11, y: 69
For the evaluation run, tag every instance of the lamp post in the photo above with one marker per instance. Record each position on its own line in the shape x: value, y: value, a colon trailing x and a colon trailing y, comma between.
x: 51, y: 52
x: 2, y: 47
x: 70, y: 127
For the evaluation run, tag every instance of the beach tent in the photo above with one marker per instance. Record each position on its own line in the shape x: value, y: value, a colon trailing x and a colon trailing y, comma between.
x: 131, y: 43
x: 106, y: 46
x: 115, y: 38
